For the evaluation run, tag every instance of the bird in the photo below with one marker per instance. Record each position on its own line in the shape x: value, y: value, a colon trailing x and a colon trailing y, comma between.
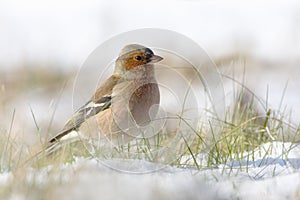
x: 126, y: 101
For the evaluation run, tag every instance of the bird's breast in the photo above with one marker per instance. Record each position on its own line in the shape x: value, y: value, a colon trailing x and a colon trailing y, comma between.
x: 135, y: 99
x: 144, y: 99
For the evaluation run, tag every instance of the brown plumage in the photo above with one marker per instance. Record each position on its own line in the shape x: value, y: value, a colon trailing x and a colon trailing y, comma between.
x: 120, y: 105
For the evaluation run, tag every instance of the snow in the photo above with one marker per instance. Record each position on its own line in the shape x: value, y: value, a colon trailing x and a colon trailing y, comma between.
x: 5, y: 177
x: 45, y: 33
x: 270, y: 176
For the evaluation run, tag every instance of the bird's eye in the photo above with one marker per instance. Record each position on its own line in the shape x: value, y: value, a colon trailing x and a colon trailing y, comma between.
x: 138, y: 58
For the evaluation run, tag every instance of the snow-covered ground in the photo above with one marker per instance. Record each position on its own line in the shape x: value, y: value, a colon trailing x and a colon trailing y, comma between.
x: 274, y: 174
x: 63, y: 33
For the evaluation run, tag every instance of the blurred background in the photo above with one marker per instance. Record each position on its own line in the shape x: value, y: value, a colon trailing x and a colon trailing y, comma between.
x: 44, y: 43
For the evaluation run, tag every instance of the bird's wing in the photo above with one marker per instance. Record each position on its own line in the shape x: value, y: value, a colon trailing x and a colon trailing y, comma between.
x: 99, y: 102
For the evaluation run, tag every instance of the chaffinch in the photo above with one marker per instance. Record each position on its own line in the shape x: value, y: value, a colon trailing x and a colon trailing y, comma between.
x: 124, y: 102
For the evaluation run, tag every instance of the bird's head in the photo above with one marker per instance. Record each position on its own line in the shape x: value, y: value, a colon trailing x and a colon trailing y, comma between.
x: 135, y: 55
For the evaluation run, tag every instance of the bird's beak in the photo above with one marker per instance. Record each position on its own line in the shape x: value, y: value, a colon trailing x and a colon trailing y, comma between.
x: 155, y: 59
